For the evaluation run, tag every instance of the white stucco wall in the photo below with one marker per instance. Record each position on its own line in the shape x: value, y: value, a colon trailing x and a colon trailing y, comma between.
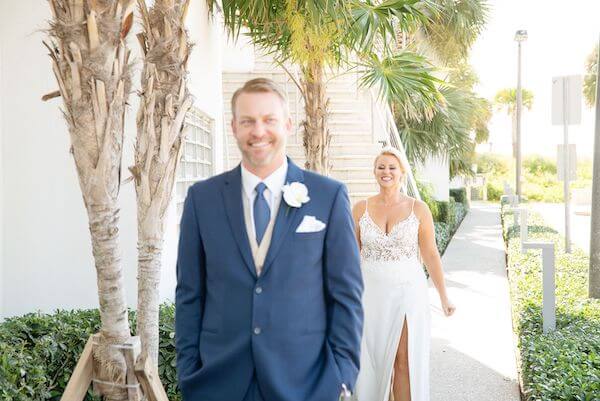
x: 47, y: 260
x: 238, y: 54
x: 436, y: 172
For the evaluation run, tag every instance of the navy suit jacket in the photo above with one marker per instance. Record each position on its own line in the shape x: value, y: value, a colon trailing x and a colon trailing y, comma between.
x: 296, y: 328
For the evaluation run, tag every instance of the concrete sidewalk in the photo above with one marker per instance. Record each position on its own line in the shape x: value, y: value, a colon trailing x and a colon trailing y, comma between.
x: 472, y: 352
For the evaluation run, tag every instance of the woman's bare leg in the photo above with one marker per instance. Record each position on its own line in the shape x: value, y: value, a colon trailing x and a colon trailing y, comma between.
x: 401, y: 382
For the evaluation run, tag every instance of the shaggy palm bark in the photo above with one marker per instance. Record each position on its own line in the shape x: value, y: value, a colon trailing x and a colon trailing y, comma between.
x: 164, y: 103
x: 316, y: 137
x: 90, y: 62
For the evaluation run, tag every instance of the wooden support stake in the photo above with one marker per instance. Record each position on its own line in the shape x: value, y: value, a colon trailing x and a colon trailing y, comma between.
x: 140, y: 371
x: 82, y: 375
x: 132, y: 351
x: 149, y: 379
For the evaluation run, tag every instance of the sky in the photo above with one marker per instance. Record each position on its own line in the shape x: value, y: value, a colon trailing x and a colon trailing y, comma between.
x: 560, y: 37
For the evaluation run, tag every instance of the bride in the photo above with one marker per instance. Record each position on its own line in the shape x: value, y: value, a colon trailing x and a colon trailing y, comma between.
x: 393, y: 230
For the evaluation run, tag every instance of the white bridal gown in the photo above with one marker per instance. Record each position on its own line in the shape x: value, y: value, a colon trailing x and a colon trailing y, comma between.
x: 395, y: 288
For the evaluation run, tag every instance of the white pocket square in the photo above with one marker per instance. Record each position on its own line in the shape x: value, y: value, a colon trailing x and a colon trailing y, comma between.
x: 310, y: 224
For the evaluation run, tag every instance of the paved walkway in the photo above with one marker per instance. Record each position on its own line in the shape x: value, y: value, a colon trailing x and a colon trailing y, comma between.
x: 473, y: 354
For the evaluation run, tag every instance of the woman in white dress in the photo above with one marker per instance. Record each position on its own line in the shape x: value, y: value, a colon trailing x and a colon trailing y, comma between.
x: 393, y: 230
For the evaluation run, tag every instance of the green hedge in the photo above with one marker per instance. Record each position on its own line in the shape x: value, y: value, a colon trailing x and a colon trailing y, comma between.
x: 444, y: 230
x: 447, y: 216
x: 565, y: 364
x: 460, y: 195
x: 38, y: 352
x: 425, y: 191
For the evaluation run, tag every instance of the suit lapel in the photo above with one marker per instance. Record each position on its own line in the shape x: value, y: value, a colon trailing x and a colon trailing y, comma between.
x: 232, y: 196
x: 286, y: 215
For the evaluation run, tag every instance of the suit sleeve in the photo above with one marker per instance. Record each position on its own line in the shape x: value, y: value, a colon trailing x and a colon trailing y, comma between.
x: 344, y: 287
x: 190, y: 291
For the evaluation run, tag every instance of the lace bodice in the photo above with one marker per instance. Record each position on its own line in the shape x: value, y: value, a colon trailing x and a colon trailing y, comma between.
x: 401, y: 242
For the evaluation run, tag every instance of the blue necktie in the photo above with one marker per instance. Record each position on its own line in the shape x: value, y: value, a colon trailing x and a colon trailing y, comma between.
x: 262, y: 213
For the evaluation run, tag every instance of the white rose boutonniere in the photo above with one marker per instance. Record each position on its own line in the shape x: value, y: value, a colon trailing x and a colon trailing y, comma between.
x: 295, y: 194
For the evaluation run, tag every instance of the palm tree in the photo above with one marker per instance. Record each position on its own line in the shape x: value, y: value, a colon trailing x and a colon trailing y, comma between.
x: 451, y: 31
x: 591, y: 76
x: 449, y: 134
x: 164, y: 103
x: 458, y: 124
x: 506, y: 99
x: 454, y: 128
x: 91, y: 63
x: 355, y: 34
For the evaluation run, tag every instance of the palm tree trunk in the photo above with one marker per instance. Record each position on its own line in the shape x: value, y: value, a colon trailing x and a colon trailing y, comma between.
x: 164, y: 103
x: 316, y: 137
x: 90, y: 62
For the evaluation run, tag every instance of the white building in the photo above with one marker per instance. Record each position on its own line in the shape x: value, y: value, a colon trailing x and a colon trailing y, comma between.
x: 45, y: 251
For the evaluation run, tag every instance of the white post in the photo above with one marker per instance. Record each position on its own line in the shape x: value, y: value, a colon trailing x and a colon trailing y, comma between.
x: 566, y: 169
x: 524, y: 230
x: 548, y: 283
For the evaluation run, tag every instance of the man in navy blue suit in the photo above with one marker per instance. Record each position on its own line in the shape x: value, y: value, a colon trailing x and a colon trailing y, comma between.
x: 268, y: 299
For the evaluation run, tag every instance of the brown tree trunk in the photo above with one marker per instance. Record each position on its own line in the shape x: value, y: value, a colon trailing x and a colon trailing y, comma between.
x: 90, y: 62
x: 164, y: 103
x: 316, y: 136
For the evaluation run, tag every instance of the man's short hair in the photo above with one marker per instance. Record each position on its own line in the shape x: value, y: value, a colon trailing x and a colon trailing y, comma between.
x: 261, y: 85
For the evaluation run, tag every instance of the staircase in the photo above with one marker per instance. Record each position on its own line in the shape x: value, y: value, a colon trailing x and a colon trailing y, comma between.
x: 351, y: 125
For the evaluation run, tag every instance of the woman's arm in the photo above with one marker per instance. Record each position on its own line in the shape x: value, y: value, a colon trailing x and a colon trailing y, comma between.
x: 430, y: 254
x: 357, y: 212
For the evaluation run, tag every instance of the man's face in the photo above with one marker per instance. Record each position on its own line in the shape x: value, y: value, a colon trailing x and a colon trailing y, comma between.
x: 260, y: 127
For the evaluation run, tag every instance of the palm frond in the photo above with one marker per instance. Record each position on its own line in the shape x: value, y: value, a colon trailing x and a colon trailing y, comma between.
x: 452, y: 31
x: 371, y: 21
x: 448, y: 134
x: 406, y: 79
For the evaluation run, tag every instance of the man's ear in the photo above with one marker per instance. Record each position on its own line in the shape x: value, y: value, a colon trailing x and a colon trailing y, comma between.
x: 288, y: 124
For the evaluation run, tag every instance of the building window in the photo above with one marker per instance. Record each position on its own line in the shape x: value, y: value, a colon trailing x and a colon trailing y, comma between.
x: 197, y: 154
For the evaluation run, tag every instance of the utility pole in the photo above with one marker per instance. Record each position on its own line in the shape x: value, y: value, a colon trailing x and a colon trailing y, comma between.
x: 594, y: 273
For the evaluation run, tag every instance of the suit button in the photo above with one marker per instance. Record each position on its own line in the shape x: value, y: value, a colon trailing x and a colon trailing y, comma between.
x: 258, y: 290
x: 257, y: 330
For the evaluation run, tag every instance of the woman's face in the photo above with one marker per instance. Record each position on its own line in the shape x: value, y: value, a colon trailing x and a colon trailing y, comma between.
x: 388, y: 172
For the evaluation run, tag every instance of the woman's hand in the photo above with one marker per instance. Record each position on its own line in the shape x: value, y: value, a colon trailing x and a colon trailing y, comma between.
x: 447, y: 306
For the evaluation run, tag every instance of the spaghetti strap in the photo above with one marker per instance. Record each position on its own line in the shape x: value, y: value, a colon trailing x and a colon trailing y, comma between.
x: 367, y: 206
x: 412, y: 209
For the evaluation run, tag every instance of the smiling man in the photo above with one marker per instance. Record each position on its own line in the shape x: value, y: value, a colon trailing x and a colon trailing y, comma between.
x: 268, y: 300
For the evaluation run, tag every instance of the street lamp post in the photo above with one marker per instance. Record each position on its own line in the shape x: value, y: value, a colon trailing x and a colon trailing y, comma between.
x: 520, y: 36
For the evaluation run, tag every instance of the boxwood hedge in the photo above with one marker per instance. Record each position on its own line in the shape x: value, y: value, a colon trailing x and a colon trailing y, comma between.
x: 564, y: 364
x: 39, y: 351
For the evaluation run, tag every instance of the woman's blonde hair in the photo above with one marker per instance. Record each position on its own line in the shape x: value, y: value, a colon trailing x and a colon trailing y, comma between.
x: 389, y: 151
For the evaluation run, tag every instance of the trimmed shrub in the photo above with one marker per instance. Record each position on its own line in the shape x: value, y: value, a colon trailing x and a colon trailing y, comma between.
x: 427, y: 197
x: 447, y: 211
x: 442, y: 236
x: 38, y: 352
x: 563, y: 365
x: 460, y: 196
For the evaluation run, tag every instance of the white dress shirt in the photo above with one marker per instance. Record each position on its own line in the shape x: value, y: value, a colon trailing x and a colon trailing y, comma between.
x: 273, y: 193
